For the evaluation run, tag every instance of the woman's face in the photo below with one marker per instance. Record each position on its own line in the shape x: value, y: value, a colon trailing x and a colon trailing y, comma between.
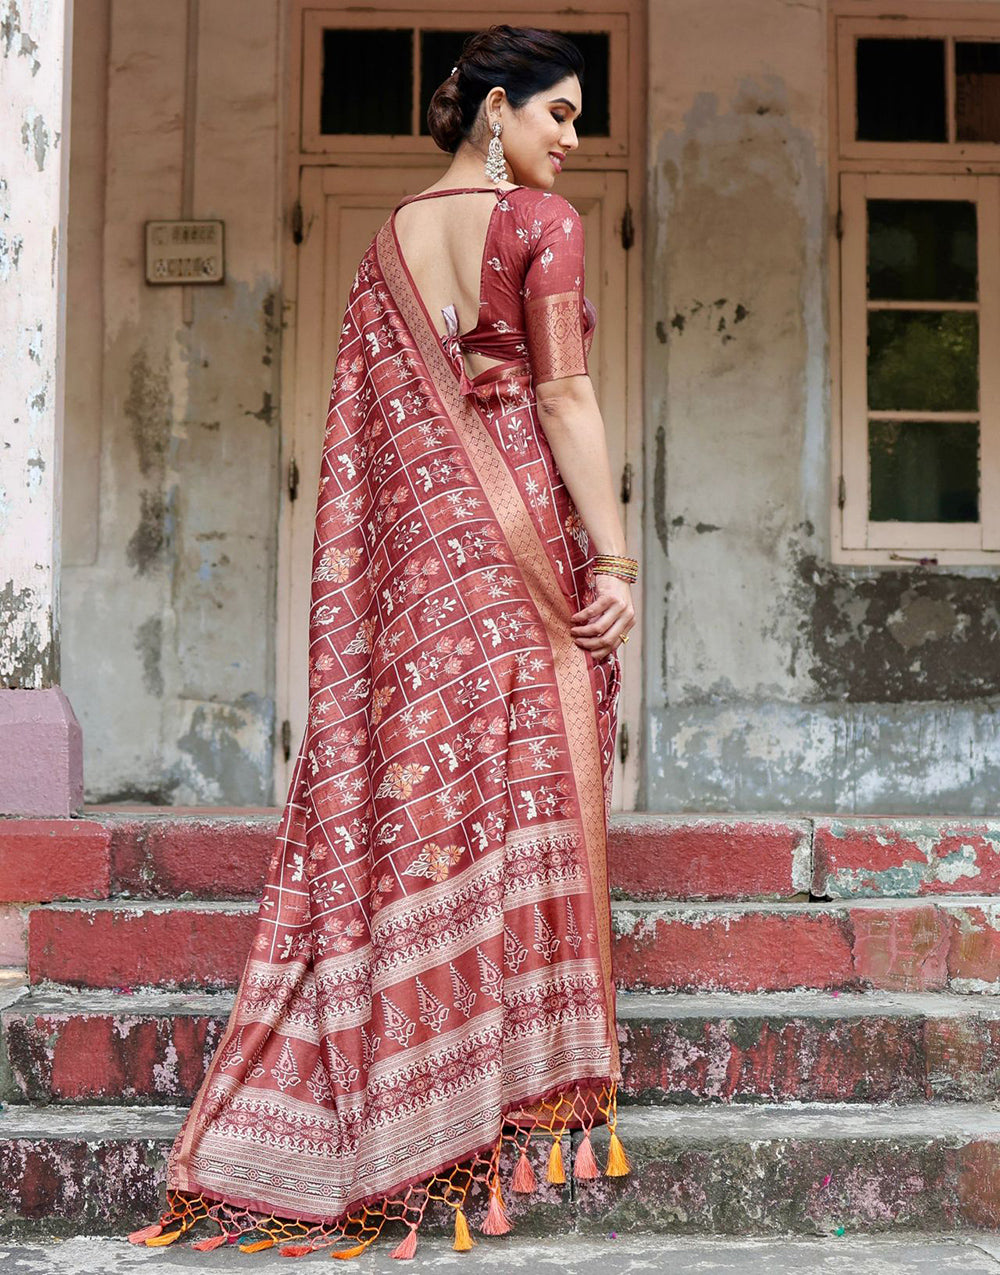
x: 539, y: 135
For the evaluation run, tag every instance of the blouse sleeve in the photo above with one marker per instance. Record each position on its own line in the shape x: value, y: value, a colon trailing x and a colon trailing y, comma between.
x: 554, y: 313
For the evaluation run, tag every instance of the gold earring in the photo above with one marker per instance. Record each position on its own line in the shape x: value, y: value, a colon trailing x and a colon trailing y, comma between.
x: 496, y: 164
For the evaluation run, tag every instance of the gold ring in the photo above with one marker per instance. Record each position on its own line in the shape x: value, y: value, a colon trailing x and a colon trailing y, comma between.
x: 624, y: 637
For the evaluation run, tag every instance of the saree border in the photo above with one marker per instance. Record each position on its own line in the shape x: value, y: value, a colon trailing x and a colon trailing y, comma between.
x: 572, y: 673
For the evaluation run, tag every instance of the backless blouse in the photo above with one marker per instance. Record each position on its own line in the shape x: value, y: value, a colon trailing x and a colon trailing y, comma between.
x: 531, y: 301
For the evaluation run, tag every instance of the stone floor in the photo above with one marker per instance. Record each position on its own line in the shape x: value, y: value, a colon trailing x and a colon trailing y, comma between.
x: 568, y: 1255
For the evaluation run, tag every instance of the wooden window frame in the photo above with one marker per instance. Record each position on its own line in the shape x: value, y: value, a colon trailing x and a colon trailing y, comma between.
x: 415, y: 19
x: 919, y: 170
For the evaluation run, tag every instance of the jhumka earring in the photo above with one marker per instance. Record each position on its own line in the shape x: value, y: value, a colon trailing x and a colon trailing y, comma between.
x: 496, y: 165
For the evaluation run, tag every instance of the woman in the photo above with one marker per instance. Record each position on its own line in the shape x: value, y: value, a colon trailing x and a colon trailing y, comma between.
x: 430, y: 986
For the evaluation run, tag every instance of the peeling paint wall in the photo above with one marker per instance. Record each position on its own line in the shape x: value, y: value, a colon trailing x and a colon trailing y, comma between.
x: 34, y: 113
x: 775, y: 680
x: 169, y: 587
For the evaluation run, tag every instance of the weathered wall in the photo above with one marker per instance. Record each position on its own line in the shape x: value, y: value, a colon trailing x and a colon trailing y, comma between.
x: 775, y: 680
x: 168, y: 592
x: 34, y: 114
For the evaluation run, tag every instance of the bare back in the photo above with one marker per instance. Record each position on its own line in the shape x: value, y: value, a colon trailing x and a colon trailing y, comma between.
x: 443, y: 242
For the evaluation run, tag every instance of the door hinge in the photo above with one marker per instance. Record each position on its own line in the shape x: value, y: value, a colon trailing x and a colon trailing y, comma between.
x: 838, y: 223
x: 627, y: 483
x: 293, y: 480
x: 297, y: 235
x: 627, y: 228
x: 623, y: 742
x: 286, y: 739
x: 841, y: 492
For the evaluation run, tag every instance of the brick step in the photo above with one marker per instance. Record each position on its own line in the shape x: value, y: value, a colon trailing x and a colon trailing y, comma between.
x: 724, y: 1171
x: 893, y: 945
x: 163, y: 852
x: 153, y: 1047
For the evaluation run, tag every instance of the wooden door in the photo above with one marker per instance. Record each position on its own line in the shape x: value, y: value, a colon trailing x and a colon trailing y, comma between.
x: 343, y: 207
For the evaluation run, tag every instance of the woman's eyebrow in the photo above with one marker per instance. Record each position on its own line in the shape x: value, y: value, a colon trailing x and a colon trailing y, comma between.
x: 566, y: 102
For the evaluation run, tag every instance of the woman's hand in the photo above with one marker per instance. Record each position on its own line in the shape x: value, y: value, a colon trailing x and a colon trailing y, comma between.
x: 598, y: 627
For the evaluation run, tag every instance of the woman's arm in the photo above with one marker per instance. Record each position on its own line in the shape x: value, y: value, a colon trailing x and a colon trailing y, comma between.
x: 571, y: 420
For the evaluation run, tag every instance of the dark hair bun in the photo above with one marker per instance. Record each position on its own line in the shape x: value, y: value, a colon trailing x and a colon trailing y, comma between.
x: 522, y: 61
x: 444, y: 115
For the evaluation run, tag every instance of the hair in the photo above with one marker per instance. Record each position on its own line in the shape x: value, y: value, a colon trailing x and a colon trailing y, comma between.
x: 523, y: 61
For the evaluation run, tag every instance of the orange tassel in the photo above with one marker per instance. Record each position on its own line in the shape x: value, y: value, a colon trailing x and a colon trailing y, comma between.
x: 257, y: 1247
x: 556, y: 1171
x: 584, y: 1163
x: 297, y: 1250
x: 618, y: 1164
x: 206, y: 1246
x: 463, y: 1240
x: 161, y: 1241
x: 495, y: 1221
x: 147, y: 1233
x: 406, y: 1248
x: 356, y: 1251
x: 524, y: 1176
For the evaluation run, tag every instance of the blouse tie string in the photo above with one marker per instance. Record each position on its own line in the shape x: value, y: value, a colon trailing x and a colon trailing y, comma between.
x: 453, y: 346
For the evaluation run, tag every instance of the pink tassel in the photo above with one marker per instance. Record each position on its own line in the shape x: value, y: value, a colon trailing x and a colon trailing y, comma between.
x: 584, y: 1162
x: 206, y: 1246
x: 495, y: 1222
x: 406, y: 1248
x: 147, y: 1233
x: 524, y: 1176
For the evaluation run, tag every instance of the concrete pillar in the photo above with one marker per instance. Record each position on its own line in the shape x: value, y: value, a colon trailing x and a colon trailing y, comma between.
x: 40, y: 747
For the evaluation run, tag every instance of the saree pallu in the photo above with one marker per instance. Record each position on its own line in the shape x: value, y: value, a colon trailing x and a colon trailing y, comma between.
x: 433, y: 950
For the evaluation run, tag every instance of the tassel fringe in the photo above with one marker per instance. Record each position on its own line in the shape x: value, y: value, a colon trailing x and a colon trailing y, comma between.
x: 618, y: 1165
x: 206, y: 1246
x: 584, y: 1162
x: 356, y: 1251
x: 578, y: 1107
x: 406, y: 1248
x: 147, y: 1233
x: 463, y: 1240
x: 556, y: 1172
x: 524, y: 1180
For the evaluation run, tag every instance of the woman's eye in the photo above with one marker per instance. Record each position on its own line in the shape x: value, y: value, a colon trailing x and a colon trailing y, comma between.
x: 560, y: 118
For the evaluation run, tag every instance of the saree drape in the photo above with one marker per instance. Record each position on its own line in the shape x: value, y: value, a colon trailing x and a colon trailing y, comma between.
x: 433, y: 948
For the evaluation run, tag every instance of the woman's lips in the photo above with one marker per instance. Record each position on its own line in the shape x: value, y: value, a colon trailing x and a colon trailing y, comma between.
x: 556, y: 161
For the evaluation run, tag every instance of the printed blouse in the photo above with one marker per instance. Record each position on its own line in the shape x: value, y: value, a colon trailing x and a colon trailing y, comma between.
x: 531, y: 299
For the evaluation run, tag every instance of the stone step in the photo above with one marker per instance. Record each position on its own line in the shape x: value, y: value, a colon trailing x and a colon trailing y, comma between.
x: 153, y: 1047
x: 905, y: 945
x: 724, y: 1171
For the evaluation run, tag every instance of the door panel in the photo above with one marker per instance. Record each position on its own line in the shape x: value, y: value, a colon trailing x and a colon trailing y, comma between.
x: 343, y: 208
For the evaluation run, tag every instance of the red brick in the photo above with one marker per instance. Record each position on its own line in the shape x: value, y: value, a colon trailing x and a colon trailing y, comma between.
x: 45, y: 859
x: 121, y: 1056
x: 183, y: 946
x: 661, y: 857
x: 979, y: 1184
x: 208, y: 856
x: 688, y: 949
x: 901, y: 949
x: 905, y: 857
x: 974, y: 952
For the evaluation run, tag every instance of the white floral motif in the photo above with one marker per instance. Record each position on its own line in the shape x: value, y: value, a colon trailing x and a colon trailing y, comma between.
x: 285, y: 1071
x: 463, y: 995
x: 514, y: 951
x: 490, y: 976
x: 398, y: 1026
x: 545, y: 941
x: 432, y: 1012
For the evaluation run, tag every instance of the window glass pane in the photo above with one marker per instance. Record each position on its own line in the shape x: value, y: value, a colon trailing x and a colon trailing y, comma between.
x: 921, y: 250
x: 367, y: 81
x: 977, y: 91
x: 439, y: 51
x: 924, y: 471
x: 901, y: 95
x: 923, y: 360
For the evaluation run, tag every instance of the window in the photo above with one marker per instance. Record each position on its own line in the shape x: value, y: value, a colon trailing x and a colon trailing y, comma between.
x: 367, y: 83
x: 918, y: 301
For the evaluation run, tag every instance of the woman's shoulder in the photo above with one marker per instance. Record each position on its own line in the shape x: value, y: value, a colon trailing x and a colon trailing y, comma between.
x: 544, y: 204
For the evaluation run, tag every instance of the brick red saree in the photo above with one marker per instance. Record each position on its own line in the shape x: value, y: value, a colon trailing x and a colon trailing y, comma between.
x: 433, y: 951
